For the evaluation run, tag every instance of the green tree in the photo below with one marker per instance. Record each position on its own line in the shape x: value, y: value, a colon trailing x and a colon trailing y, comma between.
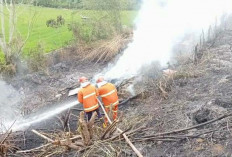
x: 11, y: 43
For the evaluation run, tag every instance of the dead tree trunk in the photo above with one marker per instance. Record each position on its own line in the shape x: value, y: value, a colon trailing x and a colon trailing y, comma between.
x: 86, y: 128
x: 90, y: 124
x: 195, y: 54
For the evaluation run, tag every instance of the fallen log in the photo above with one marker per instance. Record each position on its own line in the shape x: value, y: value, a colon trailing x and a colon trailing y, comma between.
x: 124, y: 135
x: 112, y: 126
x: 130, y: 98
x: 119, y: 135
x: 41, y: 135
x: 178, y: 137
x: 46, y: 145
x: 155, y: 139
x: 189, y: 128
x: 66, y: 143
x: 34, y: 149
x: 125, y: 82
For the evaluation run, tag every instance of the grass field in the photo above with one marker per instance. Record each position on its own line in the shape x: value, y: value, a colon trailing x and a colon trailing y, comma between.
x: 54, y: 38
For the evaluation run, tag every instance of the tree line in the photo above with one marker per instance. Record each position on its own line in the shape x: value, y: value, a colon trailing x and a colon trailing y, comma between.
x: 84, y: 4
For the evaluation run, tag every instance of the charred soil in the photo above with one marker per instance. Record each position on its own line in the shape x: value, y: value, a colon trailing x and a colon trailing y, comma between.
x: 181, y: 115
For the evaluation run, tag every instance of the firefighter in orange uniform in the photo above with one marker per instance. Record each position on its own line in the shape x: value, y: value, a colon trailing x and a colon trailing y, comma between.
x: 108, y: 93
x: 87, y: 95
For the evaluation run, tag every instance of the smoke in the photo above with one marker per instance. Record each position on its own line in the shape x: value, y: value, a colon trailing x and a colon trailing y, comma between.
x: 9, y: 105
x: 159, y: 26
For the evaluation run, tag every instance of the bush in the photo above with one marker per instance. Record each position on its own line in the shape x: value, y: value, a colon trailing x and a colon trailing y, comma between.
x: 51, y: 23
x: 7, y: 69
x: 10, y: 59
x: 55, y: 23
x: 85, y: 4
x: 98, y: 27
x: 37, y: 60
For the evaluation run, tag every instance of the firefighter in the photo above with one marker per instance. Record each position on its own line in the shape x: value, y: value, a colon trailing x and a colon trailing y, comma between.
x: 108, y: 93
x: 87, y: 95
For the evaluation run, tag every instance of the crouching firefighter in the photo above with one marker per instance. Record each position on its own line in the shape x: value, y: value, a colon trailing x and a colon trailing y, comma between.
x: 87, y: 95
x: 108, y: 93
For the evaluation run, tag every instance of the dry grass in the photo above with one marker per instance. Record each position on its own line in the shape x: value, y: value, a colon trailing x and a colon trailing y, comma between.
x: 100, y: 148
x: 188, y: 69
x: 8, y: 70
x: 103, y: 51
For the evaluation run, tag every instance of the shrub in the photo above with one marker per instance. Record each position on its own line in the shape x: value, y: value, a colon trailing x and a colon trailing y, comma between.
x: 60, y: 21
x: 93, y: 29
x: 51, y: 23
x: 10, y: 59
x: 37, y: 60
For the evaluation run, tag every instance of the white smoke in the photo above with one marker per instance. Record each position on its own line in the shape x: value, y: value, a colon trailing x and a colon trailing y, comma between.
x: 160, y: 24
x: 9, y: 105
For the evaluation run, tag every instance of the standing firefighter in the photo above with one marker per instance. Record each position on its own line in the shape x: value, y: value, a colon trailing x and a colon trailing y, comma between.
x: 87, y: 95
x: 108, y: 93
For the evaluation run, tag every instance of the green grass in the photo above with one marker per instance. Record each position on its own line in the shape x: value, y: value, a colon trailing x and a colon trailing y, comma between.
x: 54, y: 38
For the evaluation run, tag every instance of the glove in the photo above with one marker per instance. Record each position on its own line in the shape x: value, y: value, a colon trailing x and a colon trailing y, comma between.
x: 104, y: 125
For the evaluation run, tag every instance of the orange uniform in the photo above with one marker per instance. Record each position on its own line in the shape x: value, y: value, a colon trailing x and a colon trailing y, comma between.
x: 109, y: 95
x: 88, y: 97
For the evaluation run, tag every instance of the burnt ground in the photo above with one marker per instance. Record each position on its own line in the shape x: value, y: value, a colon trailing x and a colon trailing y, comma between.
x: 51, y: 86
x: 42, y: 91
x: 196, y: 94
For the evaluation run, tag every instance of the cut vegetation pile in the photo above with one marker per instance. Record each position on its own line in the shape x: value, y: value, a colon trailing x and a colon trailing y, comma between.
x: 104, y: 51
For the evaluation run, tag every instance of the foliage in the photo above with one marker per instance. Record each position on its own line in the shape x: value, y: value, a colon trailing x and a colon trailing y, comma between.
x: 51, y: 23
x: 70, y: 4
x: 90, y: 29
x: 84, y: 4
x: 11, y: 59
x: 60, y: 37
x: 130, y: 4
x: 7, y: 70
x: 56, y: 23
x: 104, y: 24
x: 110, y: 11
x: 37, y: 60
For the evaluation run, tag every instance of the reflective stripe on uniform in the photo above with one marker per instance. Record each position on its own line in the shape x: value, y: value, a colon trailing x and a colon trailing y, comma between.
x: 111, y: 92
x: 115, y: 111
x: 90, y: 108
x: 115, y: 103
x: 89, y: 95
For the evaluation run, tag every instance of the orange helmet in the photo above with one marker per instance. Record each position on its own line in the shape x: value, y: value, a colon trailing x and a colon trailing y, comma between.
x: 83, y: 79
x: 100, y: 79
